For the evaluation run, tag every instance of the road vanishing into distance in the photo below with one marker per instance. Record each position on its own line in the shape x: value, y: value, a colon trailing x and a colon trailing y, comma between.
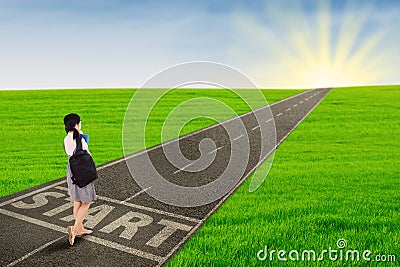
x: 132, y: 228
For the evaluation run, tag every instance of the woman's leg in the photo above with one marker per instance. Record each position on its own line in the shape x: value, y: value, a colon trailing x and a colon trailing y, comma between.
x: 80, y: 216
x: 77, y: 205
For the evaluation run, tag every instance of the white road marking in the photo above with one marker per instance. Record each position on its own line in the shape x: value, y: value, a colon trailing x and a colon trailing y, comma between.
x: 179, y: 170
x: 279, y: 114
x: 215, y: 150
x: 39, y: 200
x: 123, y: 248
x: 301, y: 102
x: 61, y: 188
x: 167, y: 231
x: 307, y: 99
x: 135, y: 195
x: 110, y: 164
x: 128, y: 204
x: 90, y: 238
x: 269, y: 120
x: 295, y: 105
x: 237, y: 138
x: 34, y: 251
x: 258, y: 126
x: 288, y: 109
x: 130, y: 228
x: 33, y: 220
x: 31, y: 193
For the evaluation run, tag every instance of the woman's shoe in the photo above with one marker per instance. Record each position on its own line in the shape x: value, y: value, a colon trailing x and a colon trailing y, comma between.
x: 71, y: 235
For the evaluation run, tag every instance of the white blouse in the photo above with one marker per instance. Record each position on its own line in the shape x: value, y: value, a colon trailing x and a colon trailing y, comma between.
x: 70, y: 144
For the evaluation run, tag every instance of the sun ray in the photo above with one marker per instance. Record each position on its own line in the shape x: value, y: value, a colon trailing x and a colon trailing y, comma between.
x: 297, y: 47
x: 366, y: 49
x: 262, y: 36
x: 350, y: 29
x: 298, y: 26
x: 323, y: 20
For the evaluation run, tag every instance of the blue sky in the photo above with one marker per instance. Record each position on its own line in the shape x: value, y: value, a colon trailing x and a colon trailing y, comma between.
x: 76, y: 44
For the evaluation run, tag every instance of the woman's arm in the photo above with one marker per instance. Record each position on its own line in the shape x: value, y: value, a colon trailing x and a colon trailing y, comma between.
x: 85, y: 145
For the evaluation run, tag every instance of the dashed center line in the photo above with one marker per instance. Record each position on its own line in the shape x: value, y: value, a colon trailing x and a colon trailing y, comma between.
x: 288, y: 109
x: 179, y: 170
x: 258, y: 126
x: 295, y: 105
x: 135, y: 195
x: 240, y: 136
x: 301, y: 102
x: 307, y: 99
x: 215, y: 150
x: 279, y: 114
x: 268, y: 120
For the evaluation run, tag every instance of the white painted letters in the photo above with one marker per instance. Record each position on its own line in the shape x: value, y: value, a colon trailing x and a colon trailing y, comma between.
x: 130, y: 227
x: 39, y: 200
x: 167, y: 231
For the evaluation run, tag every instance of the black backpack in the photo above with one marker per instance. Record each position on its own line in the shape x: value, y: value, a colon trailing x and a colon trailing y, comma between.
x: 82, y: 166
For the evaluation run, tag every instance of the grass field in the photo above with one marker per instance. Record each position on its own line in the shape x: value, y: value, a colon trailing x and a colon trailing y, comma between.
x: 336, y: 176
x: 32, y: 129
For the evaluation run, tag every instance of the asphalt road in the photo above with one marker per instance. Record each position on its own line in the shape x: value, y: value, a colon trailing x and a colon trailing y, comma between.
x: 132, y: 228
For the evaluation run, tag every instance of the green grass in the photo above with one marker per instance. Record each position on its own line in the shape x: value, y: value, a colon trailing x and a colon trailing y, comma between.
x: 32, y: 129
x: 336, y: 176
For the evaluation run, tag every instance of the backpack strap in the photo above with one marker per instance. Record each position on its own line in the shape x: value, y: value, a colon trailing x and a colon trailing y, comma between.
x: 78, y: 144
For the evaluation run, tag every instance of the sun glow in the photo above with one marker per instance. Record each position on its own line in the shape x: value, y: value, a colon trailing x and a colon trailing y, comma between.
x: 333, y: 67
x: 310, y: 50
x: 324, y: 77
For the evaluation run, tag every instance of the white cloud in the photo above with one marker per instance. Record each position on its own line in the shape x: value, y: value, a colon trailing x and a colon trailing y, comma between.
x: 57, y: 49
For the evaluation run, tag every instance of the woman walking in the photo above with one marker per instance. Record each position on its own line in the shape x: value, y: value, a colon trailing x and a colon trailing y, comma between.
x: 84, y: 196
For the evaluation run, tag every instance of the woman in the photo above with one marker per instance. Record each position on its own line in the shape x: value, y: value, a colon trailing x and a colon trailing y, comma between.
x: 84, y: 196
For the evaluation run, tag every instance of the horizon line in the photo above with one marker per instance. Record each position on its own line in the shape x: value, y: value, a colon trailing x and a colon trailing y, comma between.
x: 180, y: 88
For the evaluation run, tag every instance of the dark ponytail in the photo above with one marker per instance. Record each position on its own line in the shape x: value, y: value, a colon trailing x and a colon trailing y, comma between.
x: 70, y: 121
x: 76, y: 134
